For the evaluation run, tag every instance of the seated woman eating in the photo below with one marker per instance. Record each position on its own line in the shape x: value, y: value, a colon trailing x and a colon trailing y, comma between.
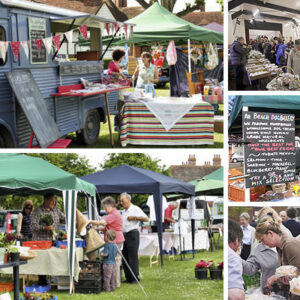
x: 114, y: 65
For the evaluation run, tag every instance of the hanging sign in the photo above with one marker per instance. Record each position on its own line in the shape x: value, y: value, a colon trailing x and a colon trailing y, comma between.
x: 37, y: 31
x: 269, y: 149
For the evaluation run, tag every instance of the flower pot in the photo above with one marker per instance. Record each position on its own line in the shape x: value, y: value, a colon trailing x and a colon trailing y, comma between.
x: 14, y: 256
x: 201, y: 274
x: 6, y: 258
x: 216, y: 274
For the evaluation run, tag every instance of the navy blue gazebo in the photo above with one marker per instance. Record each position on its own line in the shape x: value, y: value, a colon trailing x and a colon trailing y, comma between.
x: 135, y: 180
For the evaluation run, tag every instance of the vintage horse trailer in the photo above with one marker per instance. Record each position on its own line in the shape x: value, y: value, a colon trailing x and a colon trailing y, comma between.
x: 71, y: 114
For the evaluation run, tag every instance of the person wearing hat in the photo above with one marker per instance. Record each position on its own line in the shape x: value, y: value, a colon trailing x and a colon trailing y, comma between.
x: 113, y: 221
x: 294, y: 58
x: 132, y: 216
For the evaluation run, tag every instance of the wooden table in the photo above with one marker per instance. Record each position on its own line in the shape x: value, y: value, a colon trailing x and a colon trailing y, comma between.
x: 15, y: 266
x: 105, y: 92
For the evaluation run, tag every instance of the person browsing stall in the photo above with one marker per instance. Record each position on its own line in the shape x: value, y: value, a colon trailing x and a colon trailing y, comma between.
x: 24, y: 229
x: 109, y: 254
x: 294, y: 58
x: 113, y: 221
x: 146, y: 74
x: 168, y: 219
x: 291, y: 224
x: 132, y: 215
x: 235, y: 269
x: 114, y: 65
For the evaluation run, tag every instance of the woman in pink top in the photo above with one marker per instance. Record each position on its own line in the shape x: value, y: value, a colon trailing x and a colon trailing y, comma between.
x: 114, y: 221
x: 114, y: 65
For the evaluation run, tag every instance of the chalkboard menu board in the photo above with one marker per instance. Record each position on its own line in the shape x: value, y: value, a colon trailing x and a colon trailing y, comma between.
x: 80, y: 68
x: 31, y: 100
x: 37, y: 30
x: 269, y: 149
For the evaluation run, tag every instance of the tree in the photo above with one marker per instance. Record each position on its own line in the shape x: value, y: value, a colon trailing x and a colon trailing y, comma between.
x: 140, y: 160
x: 170, y: 4
x: 221, y: 2
x: 70, y: 162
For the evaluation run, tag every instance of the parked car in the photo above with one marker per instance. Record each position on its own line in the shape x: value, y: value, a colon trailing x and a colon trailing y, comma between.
x: 9, y: 220
x: 237, y: 157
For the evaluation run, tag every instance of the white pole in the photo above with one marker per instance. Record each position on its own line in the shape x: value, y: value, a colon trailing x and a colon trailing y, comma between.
x: 189, y: 55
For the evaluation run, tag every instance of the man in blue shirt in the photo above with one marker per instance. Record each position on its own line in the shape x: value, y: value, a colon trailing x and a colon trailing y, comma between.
x: 235, y: 267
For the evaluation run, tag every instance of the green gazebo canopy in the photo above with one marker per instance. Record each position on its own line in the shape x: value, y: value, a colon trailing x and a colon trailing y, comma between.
x: 157, y: 24
x: 20, y: 173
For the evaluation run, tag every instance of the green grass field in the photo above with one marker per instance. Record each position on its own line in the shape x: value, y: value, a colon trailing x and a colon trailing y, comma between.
x: 104, y: 138
x: 176, y: 280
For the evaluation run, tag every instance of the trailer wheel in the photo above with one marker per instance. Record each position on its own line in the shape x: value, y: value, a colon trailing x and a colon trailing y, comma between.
x: 90, y: 133
x: 6, y: 141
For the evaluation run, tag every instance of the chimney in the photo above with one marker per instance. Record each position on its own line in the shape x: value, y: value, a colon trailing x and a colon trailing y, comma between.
x: 217, y: 160
x: 120, y: 3
x: 192, y: 160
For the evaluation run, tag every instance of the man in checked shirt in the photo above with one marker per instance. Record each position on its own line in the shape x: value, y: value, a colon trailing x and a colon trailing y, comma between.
x: 41, y: 232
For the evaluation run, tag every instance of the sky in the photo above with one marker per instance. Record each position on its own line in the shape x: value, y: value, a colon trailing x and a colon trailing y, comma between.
x: 211, y: 5
x: 168, y: 157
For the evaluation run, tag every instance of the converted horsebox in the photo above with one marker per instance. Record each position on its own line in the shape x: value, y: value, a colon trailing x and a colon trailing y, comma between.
x: 26, y: 21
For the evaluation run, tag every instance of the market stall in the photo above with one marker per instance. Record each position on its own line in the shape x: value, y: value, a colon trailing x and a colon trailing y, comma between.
x: 135, y: 180
x: 26, y: 175
x: 268, y: 128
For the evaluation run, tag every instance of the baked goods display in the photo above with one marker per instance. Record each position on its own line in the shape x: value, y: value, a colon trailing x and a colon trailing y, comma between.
x: 285, y: 81
x: 295, y: 286
x: 289, y: 271
x: 255, y: 54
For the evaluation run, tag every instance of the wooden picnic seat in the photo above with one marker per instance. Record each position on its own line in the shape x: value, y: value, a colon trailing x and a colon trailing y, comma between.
x: 195, y: 87
x: 58, y: 144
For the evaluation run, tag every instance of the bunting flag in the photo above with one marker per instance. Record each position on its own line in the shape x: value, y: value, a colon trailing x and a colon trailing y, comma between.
x: 131, y: 31
x: 25, y: 46
x: 56, y: 40
x: 15, y: 47
x: 115, y: 27
x: 69, y: 36
x: 3, y: 49
x: 83, y: 31
x: 38, y: 44
x: 48, y: 44
x: 107, y: 28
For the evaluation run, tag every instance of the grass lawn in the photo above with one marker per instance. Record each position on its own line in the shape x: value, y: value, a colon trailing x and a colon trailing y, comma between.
x: 104, y: 139
x: 175, y: 281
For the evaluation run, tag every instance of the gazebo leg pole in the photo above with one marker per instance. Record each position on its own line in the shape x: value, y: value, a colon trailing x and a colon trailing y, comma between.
x: 189, y: 55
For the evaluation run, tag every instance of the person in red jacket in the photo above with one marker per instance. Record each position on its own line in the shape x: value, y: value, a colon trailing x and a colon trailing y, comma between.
x: 168, y: 214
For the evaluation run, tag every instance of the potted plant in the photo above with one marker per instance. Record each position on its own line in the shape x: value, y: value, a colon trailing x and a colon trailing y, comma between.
x: 13, y: 253
x: 216, y: 271
x: 201, y: 269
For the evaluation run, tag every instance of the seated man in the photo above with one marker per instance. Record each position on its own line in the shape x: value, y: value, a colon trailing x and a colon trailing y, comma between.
x: 235, y: 267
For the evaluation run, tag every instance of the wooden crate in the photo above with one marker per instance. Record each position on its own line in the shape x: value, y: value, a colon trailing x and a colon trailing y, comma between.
x: 88, y: 55
x: 132, y: 64
x: 236, y: 194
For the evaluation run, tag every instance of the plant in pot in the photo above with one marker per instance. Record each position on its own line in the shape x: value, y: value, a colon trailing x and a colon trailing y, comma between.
x: 14, y: 254
x: 216, y: 271
x: 201, y: 269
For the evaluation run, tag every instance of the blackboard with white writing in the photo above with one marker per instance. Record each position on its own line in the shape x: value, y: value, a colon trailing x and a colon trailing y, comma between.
x: 33, y: 104
x: 80, y: 68
x: 269, y: 149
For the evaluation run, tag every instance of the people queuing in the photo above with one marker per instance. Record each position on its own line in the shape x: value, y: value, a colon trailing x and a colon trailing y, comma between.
x: 279, y: 246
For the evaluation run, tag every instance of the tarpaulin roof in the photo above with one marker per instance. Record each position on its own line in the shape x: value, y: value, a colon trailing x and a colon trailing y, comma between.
x: 158, y: 24
x: 263, y: 103
x: 214, y: 26
x: 216, y: 175
x: 20, y: 173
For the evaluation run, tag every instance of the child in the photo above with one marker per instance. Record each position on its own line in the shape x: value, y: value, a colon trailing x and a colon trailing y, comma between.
x: 109, y: 262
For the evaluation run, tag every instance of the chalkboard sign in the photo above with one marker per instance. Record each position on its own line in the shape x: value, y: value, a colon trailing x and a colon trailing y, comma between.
x: 269, y: 149
x: 80, y: 68
x: 34, y: 106
x: 37, y: 30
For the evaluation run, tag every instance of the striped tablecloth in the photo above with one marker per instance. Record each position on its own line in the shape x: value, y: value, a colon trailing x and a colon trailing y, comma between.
x: 140, y: 127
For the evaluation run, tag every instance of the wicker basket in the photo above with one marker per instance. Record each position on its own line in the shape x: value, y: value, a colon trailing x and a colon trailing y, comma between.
x: 283, y: 88
x: 278, y: 187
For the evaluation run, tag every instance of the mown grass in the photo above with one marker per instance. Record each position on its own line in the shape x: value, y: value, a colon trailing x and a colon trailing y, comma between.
x: 176, y: 280
x: 104, y: 138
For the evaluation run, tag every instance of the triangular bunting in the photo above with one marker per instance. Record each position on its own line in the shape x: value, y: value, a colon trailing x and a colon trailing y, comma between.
x: 69, y: 36
x: 115, y: 27
x: 38, y: 44
x: 3, y: 49
x: 125, y: 30
x: 56, y: 40
x: 83, y: 31
x: 107, y: 28
x: 15, y: 46
x: 25, y: 45
x: 131, y: 31
x: 48, y: 44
